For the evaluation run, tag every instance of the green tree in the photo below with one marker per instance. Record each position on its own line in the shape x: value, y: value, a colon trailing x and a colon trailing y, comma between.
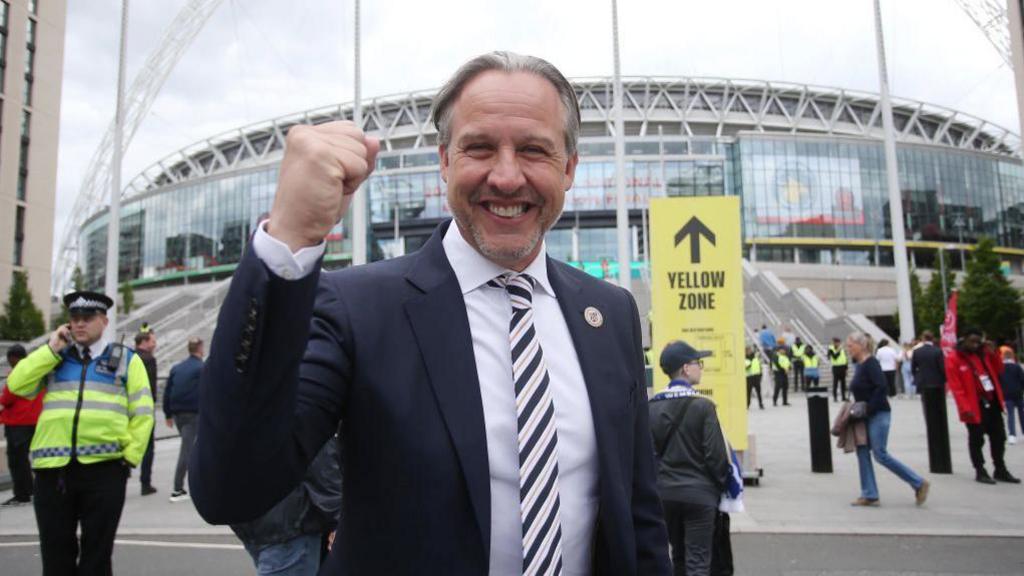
x: 987, y: 300
x: 21, y: 320
x: 933, y: 312
x: 127, y: 298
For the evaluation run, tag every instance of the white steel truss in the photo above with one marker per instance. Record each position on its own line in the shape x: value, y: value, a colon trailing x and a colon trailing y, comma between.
x: 95, y: 187
x: 991, y: 17
x: 670, y: 107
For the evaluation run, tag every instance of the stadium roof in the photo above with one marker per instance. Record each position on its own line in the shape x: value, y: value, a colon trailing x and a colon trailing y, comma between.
x: 671, y: 107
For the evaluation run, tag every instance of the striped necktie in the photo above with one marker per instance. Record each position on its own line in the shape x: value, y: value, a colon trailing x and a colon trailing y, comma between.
x: 539, y: 504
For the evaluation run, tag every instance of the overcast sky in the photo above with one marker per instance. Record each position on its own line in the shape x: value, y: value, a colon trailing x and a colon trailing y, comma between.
x: 257, y: 59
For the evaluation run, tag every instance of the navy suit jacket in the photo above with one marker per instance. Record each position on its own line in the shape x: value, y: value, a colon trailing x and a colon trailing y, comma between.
x: 385, y: 350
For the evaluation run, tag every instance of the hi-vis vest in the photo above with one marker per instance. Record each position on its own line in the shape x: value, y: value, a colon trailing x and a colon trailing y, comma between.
x: 92, y: 412
x: 798, y: 352
x: 782, y: 362
x: 840, y: 359
x: 753, y: 366
x: 811, y: 361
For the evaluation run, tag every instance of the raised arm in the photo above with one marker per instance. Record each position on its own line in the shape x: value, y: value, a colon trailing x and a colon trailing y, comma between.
x: 272, y: 389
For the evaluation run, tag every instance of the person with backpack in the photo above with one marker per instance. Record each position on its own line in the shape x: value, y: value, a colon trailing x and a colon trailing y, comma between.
x: 693, y: 462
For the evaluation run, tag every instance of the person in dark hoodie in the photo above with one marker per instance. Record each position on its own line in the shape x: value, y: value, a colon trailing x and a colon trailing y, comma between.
x: 693, y: 463
x: 291, y: 537
x: 181, y: 409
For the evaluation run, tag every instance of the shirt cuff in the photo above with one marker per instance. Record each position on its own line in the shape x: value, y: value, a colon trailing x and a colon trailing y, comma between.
x: 279, y: 258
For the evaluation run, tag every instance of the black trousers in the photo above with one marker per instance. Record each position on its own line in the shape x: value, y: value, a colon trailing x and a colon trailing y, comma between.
x: 691, y: 531
x: 890, y: 381
x: 19, y: 439
x: 933, y: 402
x: 838, y: 380
x: 991, y: 425
x: 90, y: 495
x: 146, y: 468
x: 754, y: 383
x: 781, y: 385
x: 798, y: 376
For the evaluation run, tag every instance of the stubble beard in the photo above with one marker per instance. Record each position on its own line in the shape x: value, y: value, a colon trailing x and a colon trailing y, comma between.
x: 499, y: 254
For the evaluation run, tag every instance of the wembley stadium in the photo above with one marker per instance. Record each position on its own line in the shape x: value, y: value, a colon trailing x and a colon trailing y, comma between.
x: 806, y: 161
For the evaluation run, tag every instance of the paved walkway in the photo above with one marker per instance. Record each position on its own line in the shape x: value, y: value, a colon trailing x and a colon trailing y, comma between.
x: 790, y: 498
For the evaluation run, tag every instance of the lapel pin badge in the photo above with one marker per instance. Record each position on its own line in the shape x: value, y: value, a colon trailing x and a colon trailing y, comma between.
x: 593, y: 316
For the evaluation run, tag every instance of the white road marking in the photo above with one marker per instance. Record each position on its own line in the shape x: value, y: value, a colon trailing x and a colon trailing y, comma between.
x: 151, y: 543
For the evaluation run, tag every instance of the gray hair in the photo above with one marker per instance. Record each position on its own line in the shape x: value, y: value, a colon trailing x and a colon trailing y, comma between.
x: 508, y: 62
x: 863, y: 340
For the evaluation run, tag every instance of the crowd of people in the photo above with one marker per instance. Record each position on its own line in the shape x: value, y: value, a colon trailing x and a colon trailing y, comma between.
x: 984, y: 378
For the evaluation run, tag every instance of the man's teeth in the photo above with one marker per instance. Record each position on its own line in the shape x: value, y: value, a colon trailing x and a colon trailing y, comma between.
x: 507, y: 211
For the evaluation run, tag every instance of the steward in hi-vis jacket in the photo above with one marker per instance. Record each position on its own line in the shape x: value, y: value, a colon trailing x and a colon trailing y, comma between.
x: 96, y: 420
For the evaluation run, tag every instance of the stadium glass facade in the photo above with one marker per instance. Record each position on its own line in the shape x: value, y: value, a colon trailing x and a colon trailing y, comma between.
x: 808, y: 195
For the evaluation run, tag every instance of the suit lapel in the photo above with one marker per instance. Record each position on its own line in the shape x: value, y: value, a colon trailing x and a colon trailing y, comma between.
x: 441, y: 326
x: 594, y: 351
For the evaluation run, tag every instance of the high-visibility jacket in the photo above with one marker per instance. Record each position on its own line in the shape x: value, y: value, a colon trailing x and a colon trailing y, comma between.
x: 811, y: 361
x: 753, y: 366
x: 95, y: 412
x: 837, y: 356
x: 782, y: 362
x: 798, y: 352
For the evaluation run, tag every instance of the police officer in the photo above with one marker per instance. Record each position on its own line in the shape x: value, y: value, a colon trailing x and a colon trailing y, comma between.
x: 837, y: 357
x: 781, y: 365
x: 96, y: 420
x: 753, y: 368
x: 799, y: 358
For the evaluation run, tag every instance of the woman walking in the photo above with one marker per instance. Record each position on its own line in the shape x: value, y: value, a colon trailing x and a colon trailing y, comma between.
x: 869, y: 385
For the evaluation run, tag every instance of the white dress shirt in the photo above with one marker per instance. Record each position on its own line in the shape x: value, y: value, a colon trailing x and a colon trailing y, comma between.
x: 490, y: 311
x: 887, y: 358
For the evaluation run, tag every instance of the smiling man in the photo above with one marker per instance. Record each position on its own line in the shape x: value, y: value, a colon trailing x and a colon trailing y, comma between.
x: 492, y: 400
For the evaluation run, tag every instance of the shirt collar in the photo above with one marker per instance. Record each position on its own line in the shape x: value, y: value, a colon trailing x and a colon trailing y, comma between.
x: 95, y: 350
x: 472, y: 269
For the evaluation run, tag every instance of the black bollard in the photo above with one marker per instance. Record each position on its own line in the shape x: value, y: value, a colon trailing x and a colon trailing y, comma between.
x: 933, y: 401
x: 819, y: 427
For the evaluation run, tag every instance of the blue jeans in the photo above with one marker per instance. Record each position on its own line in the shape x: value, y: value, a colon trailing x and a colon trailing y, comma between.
x: 299, y: 556
x: 878, y: 438
x: 1014, y: 409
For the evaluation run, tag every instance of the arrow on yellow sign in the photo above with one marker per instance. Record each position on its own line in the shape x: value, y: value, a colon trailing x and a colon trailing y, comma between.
x: 695, y: 229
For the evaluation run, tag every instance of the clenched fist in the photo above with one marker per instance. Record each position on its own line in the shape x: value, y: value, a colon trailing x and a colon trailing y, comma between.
x: 322, y: 166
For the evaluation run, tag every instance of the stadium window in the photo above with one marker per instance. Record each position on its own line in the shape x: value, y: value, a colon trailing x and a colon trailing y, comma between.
x: 19, y: 235
x: 4, y: 12
x: 26, y: 119
x: 33, y: 6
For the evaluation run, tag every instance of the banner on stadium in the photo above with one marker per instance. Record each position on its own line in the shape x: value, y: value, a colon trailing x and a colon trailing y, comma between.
x: 697, y: 296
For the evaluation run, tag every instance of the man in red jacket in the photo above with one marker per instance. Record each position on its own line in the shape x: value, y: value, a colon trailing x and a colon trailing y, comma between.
x: 19, y: 417
x: 973, y: 374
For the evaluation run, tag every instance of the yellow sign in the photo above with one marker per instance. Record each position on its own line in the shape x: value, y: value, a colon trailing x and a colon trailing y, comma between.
x: 697, y: 297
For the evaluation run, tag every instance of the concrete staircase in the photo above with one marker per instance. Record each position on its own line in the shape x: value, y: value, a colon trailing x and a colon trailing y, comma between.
x: 768, y: 301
